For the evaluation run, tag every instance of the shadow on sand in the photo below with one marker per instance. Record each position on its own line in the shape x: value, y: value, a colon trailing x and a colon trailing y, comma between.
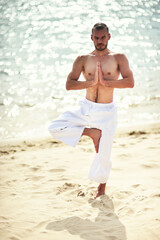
x: 106, y: 226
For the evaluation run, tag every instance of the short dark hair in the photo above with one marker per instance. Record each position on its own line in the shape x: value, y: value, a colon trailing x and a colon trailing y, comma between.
x: 100, y: 26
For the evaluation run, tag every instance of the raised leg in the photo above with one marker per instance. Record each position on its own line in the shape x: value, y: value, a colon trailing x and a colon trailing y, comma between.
x: 95, y: 134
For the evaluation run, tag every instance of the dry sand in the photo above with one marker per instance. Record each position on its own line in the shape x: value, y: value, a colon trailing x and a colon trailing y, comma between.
x: 45, y: 193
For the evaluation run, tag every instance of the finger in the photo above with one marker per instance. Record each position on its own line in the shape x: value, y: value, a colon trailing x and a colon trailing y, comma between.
x: 100, y: 74
x: 96, y: 72
x: 99, y: 69
x: 100, y: 66
x: 97, y: 65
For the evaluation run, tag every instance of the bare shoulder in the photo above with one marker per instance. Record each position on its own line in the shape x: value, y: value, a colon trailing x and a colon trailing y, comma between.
x: 120, y: 57
x: 81, y: 59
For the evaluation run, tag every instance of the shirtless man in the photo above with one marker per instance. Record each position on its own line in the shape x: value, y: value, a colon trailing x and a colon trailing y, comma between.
x: 101, y: 69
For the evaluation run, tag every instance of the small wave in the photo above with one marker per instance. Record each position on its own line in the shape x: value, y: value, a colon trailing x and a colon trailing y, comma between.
x: 155, y: 98
x: 4, y: 73
x: 26, y: 105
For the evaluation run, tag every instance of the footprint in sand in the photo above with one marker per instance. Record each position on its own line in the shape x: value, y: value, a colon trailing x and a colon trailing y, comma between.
x: 136, y: 185
x: 122, y: 145
x: 71, y: 189
x: 125, y: 210
x: 3, y: 152
x: 57, y: 170
x: 24, y: 165
x: 150, y: 166
x: 3, y: 218
x: 40, y: 225
x: 139, y: 187
x: 112, y: 237
x: 156, y: 195
x: 121, y: 194
x: 37, y: 178
x: 139, y: 198
x: 14, y: 238
x: 81, y: 194
x: 104, y: 203
x: 34, y: 169
x: 123, y: 156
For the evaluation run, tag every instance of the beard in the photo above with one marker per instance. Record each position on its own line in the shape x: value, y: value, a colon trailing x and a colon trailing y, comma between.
x: 100, y: 47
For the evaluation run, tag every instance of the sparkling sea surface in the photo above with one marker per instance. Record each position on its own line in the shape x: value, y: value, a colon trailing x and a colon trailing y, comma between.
x: 41, y: 39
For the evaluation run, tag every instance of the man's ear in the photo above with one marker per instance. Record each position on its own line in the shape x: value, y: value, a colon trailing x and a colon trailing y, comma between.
x: 109, y: 36
x: 92, y: 37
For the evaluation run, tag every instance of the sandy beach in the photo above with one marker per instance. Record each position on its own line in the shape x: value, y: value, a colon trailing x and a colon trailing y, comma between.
x: 46, y: 195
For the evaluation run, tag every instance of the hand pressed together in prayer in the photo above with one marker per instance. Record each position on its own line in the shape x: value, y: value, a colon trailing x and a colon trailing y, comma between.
x: 98, y: 78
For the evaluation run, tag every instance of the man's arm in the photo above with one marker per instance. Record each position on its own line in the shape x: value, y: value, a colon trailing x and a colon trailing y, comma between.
x: 72, y: 79
x: 127, y: 81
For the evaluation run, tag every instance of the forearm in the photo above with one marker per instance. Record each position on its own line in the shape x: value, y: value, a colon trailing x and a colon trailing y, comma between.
x: 121, y: 83
x: 78, y: 85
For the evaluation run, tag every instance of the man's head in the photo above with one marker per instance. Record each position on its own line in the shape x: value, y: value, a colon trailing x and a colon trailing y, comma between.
x: 100, y: 36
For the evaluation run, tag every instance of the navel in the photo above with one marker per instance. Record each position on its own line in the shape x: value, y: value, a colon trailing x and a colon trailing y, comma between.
x: 109, y: 73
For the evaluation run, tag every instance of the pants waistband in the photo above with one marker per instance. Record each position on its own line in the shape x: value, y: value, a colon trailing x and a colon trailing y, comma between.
x: 98, y: 104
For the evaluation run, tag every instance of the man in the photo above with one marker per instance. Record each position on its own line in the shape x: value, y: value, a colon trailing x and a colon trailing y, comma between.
x: 96, y: 116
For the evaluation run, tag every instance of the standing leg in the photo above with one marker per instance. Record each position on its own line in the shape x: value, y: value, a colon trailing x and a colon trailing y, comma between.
x: 95, y: 134
x: 101, y: 165
x: 100, y: 190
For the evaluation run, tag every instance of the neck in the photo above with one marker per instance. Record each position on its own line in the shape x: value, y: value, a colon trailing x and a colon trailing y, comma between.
x: 101, y: 53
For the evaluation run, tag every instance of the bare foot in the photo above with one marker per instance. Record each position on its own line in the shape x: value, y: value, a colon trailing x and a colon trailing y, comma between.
x: 101, y: 190
x: 95, y: 134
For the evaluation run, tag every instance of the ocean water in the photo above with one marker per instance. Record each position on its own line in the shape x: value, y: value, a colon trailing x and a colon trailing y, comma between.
x: 41, y: 39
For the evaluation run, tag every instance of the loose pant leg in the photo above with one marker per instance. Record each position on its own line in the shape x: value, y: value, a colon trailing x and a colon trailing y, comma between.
x: 69, y: 127
x: 101, y: 165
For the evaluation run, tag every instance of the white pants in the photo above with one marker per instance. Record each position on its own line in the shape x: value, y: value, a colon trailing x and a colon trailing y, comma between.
x: 69, y: 127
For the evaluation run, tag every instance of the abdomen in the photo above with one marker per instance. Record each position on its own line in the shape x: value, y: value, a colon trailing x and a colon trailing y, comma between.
x: 100, y: 94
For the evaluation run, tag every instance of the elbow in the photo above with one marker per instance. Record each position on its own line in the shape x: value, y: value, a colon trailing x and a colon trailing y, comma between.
x: 132, y: 83
x: 68, y: 87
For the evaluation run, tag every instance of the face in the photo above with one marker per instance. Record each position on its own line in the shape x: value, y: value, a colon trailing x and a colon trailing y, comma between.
x: 100, y: 39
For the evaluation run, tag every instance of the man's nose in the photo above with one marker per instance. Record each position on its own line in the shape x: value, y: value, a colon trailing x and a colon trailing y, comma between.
x: 99, y: 40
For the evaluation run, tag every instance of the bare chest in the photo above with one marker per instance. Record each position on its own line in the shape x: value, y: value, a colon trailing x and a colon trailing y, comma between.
x: 109, y: 66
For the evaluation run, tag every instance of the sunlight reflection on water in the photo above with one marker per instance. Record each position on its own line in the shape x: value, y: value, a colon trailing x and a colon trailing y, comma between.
x: 41, y: 39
